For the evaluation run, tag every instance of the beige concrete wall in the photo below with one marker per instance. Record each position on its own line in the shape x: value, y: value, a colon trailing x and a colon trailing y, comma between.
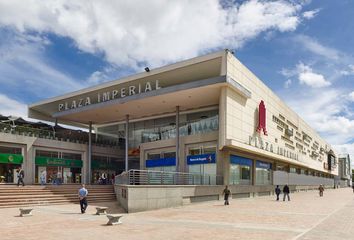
x: 242, y: 120
x: 142, y: 198
x: 137, y: 198
x: 30, y: 144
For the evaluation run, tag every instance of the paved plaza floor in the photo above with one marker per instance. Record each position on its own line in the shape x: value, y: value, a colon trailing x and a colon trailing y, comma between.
x: 306, y: 216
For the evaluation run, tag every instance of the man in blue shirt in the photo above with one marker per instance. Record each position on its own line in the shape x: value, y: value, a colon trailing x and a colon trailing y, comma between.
x: 83, y: 198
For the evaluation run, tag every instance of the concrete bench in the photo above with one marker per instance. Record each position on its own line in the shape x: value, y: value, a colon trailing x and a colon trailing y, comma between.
x: 25, y: 212
x: 114, y: 219
x: 101, y: 210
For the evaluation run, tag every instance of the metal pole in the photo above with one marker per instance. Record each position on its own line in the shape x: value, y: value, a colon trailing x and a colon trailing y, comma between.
x: 89, y: 152
x: 126, y: 141
x: 177, y: 139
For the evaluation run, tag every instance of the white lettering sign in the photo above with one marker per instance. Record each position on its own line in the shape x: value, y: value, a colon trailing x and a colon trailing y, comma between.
x: 110, y: 95
x: 267, y: 146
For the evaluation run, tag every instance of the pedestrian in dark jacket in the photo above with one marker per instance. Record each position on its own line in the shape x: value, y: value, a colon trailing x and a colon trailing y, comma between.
x: 321, y: 189
x: 286, y: 192
x: 277, y: 192
x: 226, y: 194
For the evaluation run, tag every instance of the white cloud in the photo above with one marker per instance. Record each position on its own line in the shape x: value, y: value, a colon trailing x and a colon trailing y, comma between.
x: 11, y: 107
x: 325, y: 110
x: 130, y: 33
x: 287, y: 83
x: 349, y: 70
x: 351, y: 97
x: 346, y: 148
x: 25, y: 70
x: 308, y: 77
x: 315, y: 47
x: 310, y: 14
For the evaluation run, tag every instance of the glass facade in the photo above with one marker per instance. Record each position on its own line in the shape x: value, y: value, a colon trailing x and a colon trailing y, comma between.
x: 240, y: 171
x: 206, y: 166
x: 160, y: 157
x: 162, y: 128
x: 104, y: 168
x: 263, y: 173
x: 56, y: 167
x: 8, y: 167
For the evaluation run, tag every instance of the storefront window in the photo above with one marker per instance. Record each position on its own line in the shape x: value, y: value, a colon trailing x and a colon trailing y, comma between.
x: 10, y: 150
x: 280, y: 167
x: 58, y: 167
x: 165, y: 161
x: 240, y: 170
x: 71, y: 156
x: 195, y: 151
x: 153, y: 156
x: 292, y: 169
x: 10, y: 160
x: 163, y: 128
x: 202, y: 162
x: 263, y: 173
x: 169, y: 154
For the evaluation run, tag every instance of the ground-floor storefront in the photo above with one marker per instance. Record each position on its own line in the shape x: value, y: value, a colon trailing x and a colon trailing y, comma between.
x: 11, y: 159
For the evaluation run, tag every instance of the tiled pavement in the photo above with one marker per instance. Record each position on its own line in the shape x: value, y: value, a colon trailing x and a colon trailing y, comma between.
x: 306, y: 216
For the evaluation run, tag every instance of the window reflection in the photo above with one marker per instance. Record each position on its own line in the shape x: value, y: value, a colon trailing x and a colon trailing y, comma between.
x: 163, y: 128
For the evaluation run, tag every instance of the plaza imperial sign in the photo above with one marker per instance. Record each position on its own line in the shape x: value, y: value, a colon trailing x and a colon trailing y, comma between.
x: 110, y: 95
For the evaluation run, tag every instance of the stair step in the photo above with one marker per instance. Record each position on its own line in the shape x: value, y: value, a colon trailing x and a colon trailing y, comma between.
x: 32, y: 195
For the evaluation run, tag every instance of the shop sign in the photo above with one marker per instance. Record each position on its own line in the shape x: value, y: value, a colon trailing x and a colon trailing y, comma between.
x: 160, y: 162
x: 265, y: 165
x: 240, y: 160
x: 262, y: 118
x: 47, y: 161
x: 109, y: 95
x: 98, y: 165
x: 258, y: 142
x: 201, y: 159
x: 134, y: 152
x: 11, y: 158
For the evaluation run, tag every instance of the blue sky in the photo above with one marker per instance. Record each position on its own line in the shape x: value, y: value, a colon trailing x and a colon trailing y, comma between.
x: 301, y: 49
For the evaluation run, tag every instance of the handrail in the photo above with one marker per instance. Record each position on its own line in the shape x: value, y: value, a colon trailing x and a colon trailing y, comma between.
x: 152, y: 177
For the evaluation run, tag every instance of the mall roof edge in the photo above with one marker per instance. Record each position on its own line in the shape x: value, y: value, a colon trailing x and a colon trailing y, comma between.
x: 189, y: 85
x: 152, y: 72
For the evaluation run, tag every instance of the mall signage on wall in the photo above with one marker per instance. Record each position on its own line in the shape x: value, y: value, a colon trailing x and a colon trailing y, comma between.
x: 110, y: 95
x: 201, y: 159
x: 262, y: 118
x: 258, y: 142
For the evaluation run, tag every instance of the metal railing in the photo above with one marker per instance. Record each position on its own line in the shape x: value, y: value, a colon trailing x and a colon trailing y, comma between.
x: 148, y: 177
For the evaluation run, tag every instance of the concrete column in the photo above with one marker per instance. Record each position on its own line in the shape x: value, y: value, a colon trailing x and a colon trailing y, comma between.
x: 177, y: 139
x: 126, y: 141
x: 89, y: 154
x: 253, y: 172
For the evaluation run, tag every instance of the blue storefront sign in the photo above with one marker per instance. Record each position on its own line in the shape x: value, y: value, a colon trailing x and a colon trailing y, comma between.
x: 161, y: 162
x: 265, y: 165
x: 201, y: 159
x: 240, y: 160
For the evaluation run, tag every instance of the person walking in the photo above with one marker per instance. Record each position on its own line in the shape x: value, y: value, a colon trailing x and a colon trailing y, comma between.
x: 104, y: 178
x: 286, y: 192
x: 43, y: 177
x: 353, y: 188
x: 321, y: 189
x: 20, y: 176
x: 226, y: 194
x: 59, y: 177
x: 277, y: 192
x: 83, y: 198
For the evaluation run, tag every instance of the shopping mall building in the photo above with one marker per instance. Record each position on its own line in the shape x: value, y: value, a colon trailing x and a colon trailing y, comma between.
x: 209, y: 115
